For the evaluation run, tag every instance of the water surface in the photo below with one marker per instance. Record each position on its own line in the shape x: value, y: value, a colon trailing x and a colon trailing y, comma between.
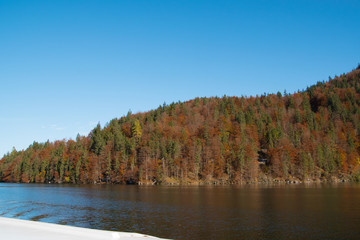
x: 196, y: 212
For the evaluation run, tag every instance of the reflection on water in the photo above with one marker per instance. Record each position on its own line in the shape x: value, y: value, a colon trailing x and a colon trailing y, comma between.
x: 205, y: 212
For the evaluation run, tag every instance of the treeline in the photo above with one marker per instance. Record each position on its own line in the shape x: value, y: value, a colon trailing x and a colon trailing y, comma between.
x: 309, y: 135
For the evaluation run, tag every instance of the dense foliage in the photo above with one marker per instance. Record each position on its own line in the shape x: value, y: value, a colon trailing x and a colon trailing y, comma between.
x: 309, y: 135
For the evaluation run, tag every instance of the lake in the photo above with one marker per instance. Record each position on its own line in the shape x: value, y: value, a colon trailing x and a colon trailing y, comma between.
x: 193, y: 212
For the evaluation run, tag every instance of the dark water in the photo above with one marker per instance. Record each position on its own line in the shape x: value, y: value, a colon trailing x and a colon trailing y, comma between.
x: 235, y: 212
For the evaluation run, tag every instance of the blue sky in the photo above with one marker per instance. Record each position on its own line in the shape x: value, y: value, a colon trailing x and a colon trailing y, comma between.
x: 67, y: 65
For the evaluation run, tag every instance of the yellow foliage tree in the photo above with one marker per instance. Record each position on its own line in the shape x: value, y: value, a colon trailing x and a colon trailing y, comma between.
x: 136, y: 130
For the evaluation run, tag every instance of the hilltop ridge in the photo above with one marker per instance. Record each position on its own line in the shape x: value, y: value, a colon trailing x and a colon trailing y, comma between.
x: 312, y: 135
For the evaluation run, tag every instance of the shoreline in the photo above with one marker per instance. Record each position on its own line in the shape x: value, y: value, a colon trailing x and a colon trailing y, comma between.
x: 275, y: 182
x: 18, y: 229
x: 269, y: 181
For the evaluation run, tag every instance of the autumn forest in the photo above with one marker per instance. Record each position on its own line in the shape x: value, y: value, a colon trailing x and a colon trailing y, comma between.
x: 311, y: 135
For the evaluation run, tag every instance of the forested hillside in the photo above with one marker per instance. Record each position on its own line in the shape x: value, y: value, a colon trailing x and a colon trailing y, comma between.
x: 309, y: 135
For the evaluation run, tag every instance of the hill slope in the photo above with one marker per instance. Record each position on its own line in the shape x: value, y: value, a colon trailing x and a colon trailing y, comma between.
x: 310, y: 135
